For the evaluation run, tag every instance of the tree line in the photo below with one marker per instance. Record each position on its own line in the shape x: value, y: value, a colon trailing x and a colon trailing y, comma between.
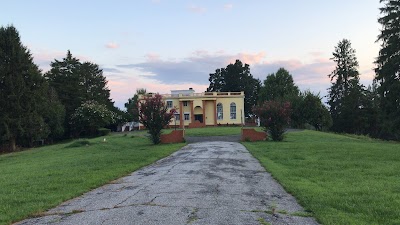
x: 70, y: 100
x: 351, y: 107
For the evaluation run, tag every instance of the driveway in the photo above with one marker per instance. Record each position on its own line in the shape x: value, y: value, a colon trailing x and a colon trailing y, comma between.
x: 226, y: 138
x: 203, y: 183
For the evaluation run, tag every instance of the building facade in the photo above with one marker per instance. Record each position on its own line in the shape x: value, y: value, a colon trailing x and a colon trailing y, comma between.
x: 205, y: 109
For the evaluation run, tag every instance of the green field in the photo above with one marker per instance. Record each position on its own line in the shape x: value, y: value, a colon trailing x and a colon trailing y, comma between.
x: 340, y: 179
x: 35, y: 180
x: 212, y: 131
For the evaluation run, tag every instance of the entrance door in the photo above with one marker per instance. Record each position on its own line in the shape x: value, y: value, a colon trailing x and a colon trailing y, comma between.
x: 198, y: 117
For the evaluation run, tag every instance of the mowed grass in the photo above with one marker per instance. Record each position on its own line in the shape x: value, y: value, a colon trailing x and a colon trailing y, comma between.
x: 35, y: 180
x: 340, y: 179
x: 211, y: 131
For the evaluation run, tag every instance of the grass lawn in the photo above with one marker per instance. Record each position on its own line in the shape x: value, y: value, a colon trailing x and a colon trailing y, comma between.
x: 340, y: 179
x: 35, y: 180
x: 211, y: 131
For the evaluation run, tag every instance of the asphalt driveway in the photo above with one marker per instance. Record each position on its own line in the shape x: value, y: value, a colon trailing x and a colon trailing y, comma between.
x: 203, y: 183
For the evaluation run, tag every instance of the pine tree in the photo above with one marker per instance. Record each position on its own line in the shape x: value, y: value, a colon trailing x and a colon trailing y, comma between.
x: 64, y: 77
x: 345, y: 91
x: 388, y: 69
x: 24, y: 103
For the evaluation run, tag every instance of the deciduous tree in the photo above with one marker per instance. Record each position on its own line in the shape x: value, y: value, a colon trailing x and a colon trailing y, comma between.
x: 91, y: 116
x: 154, y: 115
x: 315, y: 112
x: 278, y: 86
x: 275, y: 117
x: 132, y: 105
x: 236, y: 77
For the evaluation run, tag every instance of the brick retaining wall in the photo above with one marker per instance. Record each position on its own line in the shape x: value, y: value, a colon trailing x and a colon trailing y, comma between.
x: 176, y: 136
x: 196, y: 124
x: 249, y: 134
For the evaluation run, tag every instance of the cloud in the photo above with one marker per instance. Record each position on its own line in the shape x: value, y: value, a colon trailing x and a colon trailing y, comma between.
x: 112, y: 45
x: 123, y: 86
x: 160, y: 75
x: 197, y: 9
x: 111, y: 70
x: 152, y: 57
x: 197, y: 67
x: 228, y: 6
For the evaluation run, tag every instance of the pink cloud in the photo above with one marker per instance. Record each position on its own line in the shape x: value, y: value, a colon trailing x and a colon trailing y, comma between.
x: 122, y: 90
x: 249, y: 58
x: 152, y: 57
x: 43, y: 58
x: 112, y: 45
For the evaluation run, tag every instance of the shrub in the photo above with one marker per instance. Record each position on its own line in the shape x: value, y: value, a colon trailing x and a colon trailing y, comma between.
x: 103, y: 131
x: 154, y: 115
x: 91, y: 116
x: 275, y: 117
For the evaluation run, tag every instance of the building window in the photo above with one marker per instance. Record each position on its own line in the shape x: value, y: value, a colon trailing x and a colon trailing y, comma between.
x: 177, y: 116
x: 169, y: 104
x: 220, y: 113
x: 185, y: 103
x: 186, y: 116
x: 233, y: 111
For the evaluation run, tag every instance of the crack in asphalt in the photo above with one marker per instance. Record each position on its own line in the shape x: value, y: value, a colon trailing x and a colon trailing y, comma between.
x: 203, y: 183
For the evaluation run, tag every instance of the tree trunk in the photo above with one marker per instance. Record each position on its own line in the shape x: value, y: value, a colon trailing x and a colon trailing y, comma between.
x: 13, y: 145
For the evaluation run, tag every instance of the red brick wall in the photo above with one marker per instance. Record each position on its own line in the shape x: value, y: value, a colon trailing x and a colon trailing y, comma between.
x: 253, y: 135
x: 196, y: 124
x: 176, y: 136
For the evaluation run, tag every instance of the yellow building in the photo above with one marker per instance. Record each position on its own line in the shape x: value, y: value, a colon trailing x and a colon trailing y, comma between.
x: 205, y: 109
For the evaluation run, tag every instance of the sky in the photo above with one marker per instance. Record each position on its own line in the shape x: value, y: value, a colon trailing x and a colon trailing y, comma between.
x: 164, y: 45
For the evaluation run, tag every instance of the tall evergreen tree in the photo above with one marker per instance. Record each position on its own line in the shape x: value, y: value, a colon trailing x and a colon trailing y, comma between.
x: 95, y: 84
x: 236, y: 77
x: 345, y: 92
x: 64, y: 76
x: 76, y: 83
x: 24, y: 100
x: 388, y: 68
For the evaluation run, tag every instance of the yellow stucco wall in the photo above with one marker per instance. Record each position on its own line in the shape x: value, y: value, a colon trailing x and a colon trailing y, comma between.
x: 226, y: 102
x: 210, y: 111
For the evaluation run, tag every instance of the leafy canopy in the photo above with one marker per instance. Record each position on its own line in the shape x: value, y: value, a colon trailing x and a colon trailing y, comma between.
x: 154, y: 115
x: 275, y: 117
x: 236, y: 77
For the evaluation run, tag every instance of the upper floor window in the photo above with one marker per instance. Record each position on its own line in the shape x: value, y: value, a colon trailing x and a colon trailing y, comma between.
x: 169, y: 104
x: 220, y: 113
x: 233, y: 111
x: 185, y: 103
